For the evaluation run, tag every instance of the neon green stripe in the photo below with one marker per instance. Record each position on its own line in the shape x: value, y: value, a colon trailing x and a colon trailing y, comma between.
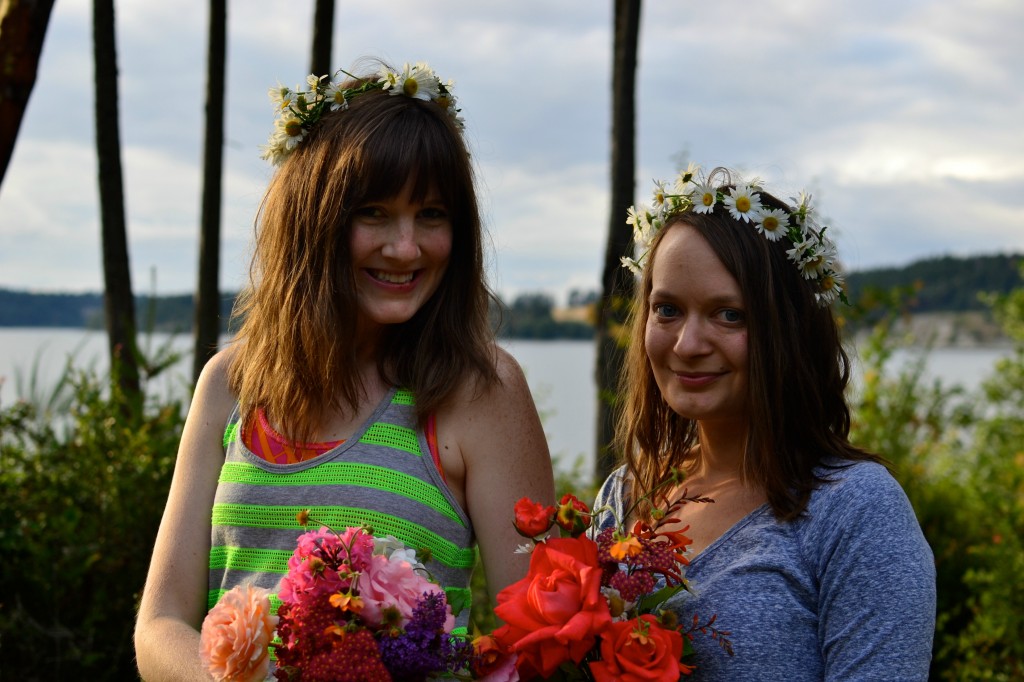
x: 250, y: 559
x: 345, y: 473
x: 214, y: 596
x: 392, y: 436
x: 411, y: 534
x: 403, y: 397
x: 230, y: 434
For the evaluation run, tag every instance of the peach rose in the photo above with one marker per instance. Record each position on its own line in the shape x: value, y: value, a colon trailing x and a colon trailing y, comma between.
x: 236, y: 635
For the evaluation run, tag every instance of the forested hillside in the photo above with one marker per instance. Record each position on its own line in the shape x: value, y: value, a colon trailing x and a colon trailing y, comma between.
x: 162, y: 313
x: 944, y: 284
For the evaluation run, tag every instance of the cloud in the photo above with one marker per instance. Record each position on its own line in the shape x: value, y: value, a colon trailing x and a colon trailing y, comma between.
x: 902, y: 119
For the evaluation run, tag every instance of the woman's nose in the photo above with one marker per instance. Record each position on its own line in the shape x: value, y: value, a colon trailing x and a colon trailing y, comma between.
x: 692, y: 339
x: 401, y: 242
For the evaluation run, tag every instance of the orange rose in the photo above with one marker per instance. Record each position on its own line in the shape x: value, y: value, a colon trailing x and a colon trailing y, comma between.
x: 533, y: 519
x: 639, y: 650
x: 555, y: 613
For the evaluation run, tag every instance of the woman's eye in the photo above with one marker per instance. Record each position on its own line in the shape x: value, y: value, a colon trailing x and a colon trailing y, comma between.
x: 730, y: 315
x: 434, y: 213
x: 664, y: 310
x: 369, y: 212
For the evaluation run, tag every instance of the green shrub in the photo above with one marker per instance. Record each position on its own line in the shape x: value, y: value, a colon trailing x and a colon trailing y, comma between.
x: 81, y: 495
x: 960, y: 458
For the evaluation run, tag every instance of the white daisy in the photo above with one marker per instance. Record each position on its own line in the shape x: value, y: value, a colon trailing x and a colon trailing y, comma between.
x: 804, y: 212
x: 280, y: 96
x: 387, y: 77
x: 772, y: 223
x: 619, y: 607
x: 704, y: 198
x: 743, y: 202
x: 630, y: 264
x: 291, y: 130
x: 633, y: 217
x: 687, y: 178
x: 273, y: 152
x: 418, y: 82
x: 335, y: 94
x: 642, y: 220
x: 660, y: 193
x: 814, y: 264
x: 830, y: 287
x: 799, y: 250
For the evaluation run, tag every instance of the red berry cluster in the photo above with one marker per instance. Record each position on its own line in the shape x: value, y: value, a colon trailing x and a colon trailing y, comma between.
x: 633, y: 575
x: 349, y: 655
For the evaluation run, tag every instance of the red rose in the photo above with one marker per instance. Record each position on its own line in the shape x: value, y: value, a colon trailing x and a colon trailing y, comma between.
x: 533, y: 519
x: 555, y: 613
x: 639, y: 650
x: 573, y: 515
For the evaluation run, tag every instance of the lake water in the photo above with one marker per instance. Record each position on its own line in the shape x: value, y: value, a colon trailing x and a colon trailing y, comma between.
x: 560, y: 374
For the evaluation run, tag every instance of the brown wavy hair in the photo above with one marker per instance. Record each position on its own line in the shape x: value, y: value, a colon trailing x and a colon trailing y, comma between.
x: 296, y: 349
x: 799, y: 371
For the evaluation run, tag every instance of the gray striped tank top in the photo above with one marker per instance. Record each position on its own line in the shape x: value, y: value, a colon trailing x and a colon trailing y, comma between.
x: 383, y: 476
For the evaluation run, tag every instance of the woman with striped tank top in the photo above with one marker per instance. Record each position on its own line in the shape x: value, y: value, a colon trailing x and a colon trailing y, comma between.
x: 364, y: 383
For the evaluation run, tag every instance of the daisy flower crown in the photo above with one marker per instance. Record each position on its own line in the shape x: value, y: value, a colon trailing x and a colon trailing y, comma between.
x: 812, y: 252
x: 299, y: 110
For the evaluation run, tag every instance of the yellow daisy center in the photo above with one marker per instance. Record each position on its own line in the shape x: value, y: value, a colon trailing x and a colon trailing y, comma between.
x: 770, y: 223
x: 708, y: 199
x: 410, y: 86
x: 293, y: 127
x: 743, y: 204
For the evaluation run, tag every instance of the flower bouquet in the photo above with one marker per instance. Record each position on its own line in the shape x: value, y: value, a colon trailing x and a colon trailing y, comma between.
x: 590, y: 609
x: 354, y: 608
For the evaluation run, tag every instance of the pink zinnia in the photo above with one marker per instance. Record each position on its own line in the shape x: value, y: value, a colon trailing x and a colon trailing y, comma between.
x: 313, y: 568
x: 236, y: 635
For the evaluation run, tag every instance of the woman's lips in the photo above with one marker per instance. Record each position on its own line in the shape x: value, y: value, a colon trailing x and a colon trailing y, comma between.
x: 697, y: 379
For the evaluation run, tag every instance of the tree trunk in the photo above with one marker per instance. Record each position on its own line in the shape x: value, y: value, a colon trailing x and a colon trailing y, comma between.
x: 323, y: 34
x: 22, y: 29
x: 616, y: 281
x: 207, y: 299
x: 119, y: 303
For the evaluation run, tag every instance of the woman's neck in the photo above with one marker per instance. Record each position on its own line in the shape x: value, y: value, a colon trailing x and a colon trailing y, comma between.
x: 720, y: 453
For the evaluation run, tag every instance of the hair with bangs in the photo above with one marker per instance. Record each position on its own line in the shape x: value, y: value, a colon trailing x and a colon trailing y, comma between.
x: 296, y: 351
x: 798, y: 417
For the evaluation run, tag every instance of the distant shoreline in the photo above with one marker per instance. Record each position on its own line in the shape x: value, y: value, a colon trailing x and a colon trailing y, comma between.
x: 967, y: 329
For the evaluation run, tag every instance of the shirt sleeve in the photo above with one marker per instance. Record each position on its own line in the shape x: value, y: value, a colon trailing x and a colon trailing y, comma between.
x: 877, y: 578
x: 609, y: 504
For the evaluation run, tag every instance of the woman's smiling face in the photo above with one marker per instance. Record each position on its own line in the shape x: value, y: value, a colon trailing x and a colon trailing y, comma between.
x: 696, y: 334
x: 400, y: 251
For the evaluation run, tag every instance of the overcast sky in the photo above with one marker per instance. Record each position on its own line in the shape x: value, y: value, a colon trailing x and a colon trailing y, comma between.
x: 902, y: 118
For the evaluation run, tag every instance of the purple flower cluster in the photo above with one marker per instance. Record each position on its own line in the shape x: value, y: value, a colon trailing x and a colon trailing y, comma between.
x: 424, y: 647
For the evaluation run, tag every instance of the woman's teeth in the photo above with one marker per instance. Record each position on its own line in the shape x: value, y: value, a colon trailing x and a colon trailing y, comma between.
x: 393, y: 277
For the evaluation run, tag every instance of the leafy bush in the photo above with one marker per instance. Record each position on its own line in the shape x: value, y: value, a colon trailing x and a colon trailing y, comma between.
x: 960, y: 459
x: 81, y: 495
